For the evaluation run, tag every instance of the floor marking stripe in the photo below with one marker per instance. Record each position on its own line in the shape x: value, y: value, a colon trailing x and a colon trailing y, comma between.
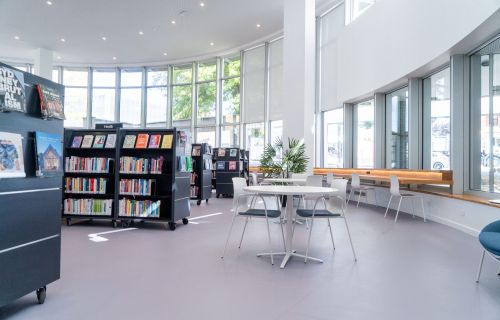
x: 206, y: 216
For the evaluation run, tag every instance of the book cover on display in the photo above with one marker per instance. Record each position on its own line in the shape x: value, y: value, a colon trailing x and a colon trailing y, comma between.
x: 167, y: 141
x: 154, y: 141
x: 99, y: 141
x: 48, y: 147
x: 110, y: 141
x: 196, y: 151
x: 232, y: 166
x: 221, y: 165
x: 87, y: 141
x: 11, y: 155
x: 77, y: 142
x: 12, y: 93
x: 221, y: 152
x: 50, y: 102
x: 142, y: 141
x: 129, y: 141
x: 233, y: 153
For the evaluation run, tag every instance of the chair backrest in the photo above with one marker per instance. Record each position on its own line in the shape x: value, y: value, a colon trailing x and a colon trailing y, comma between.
x: 314, y: 181
x: 355, y: 182
x: 238, y: 185
x: 329, y: 178
x: 254, y: 178
x: 341, y: 186
x: 395, y: 186
x: 337, y: 201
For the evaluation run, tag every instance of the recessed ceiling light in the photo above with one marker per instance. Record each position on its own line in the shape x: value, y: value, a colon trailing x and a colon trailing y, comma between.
x: 141, y: 33
x: 58, y: 57
x: 16, y: 37
x: 49, y: 3
x: 104, y: 38
x: 173, y: 21
x: 202, y: 4
x: 212, y: 44
x: 114, y: 58
x: 164, y: 53
x: 63, y: 40
x: 258, y: 25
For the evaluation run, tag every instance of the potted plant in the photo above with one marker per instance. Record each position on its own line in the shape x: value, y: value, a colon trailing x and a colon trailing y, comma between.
x: 278, y: 162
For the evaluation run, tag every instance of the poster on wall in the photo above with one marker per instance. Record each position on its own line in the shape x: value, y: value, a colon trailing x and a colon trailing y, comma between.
x: 50, y: 102
x: 49, y: 154
x: 11, y: 155
x: 12, y: 94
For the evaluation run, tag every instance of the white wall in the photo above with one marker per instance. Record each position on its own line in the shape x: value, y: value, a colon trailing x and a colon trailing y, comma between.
x: 395, y: 37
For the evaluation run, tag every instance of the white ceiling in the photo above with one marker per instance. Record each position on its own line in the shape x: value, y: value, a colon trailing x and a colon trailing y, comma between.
x: 228, y: 24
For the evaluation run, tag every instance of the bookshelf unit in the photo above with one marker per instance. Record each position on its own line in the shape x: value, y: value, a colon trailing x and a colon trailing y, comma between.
x: 230, y: 163
x: 154, y: 195
x: 83, y: 166
x: 201, y: 177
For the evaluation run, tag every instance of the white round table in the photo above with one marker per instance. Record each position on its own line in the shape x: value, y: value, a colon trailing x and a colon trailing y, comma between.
x: 290, y: 191
x: 298, y: 181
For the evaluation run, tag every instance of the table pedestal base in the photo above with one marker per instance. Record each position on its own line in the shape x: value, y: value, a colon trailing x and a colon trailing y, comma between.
x: 287, y: 256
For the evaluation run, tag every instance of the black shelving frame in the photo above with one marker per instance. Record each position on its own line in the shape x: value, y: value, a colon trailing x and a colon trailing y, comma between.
x: 111, y: 186
x: 201, y: 175
x: 224, y: 176
x: 30, y: 228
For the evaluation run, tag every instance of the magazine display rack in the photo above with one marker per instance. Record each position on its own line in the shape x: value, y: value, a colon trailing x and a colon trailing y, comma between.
x: 201, y: 177
x: 229, y: 163
x: 30, y: 230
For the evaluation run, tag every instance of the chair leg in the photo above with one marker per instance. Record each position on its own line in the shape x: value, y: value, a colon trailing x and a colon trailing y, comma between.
x: 423, y: 210
x: 270, y: 243
x: 350, y: 240
x: 375, y: 194
x: 359, y: 197
x: 399, y: 206
x: 388, y: 205
x: 413, y: 208
x: 480, y: 266
x: 243, y: 233
x: 283, y: 234
x: 309, y: 241
x: 349, y: 198
x: 228, y: 236
x: 331, y: 234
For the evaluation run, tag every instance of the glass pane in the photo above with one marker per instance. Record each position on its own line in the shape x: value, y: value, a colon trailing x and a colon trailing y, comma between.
x: 207, y: 71
x: 131, y: 78
x: 182, y: 103
x: 276, y: 130
x: 75, y: 77
x: 397, y: 105
x: 157, y: 107
x: 365, y: 132
x: 104, y: 78
x: 333, y: 151
x: 183, y: 74
x: 75, y: 107
x: 103, y: 106
x: 55, y: 75
x: 440, y: 128
x: 130, y: 107
x: 206, y: 103
x: 231, y: 67
x: 231, y: 100
x: 359, y: 6
x: 255, y: 142
x: 230, y: 136
x: 157, y: 77
x: 206, y: 135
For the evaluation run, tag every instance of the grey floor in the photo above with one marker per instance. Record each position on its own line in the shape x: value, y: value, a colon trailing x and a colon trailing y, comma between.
x: 408, y: 270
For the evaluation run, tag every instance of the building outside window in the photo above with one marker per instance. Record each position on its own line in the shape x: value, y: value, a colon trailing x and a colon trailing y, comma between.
x: 157, y: 97
x: 397, y: 129
x: 103, y: 96
x: 333, y: 135
x: 182, y: 96
x: 437, y: 121
x: 364, y: 134
x: 255, y: 142
x: 485, y: 119
x: 131, y: 98
x: 206, y: 102
x: 75, y: 97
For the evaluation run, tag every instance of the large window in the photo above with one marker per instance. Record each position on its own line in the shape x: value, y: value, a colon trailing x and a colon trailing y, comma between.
x: 182, y: 96
x: 206, y: 135
x: 397, y: 128
x: 437, y: 121
x: 131, y: 97
x: 364, y: 134
x: 206, y: 87
x: 230, y: 136
x: 230, y: 112
x: 355, y: 8
x: 75, y: 97
x: 333, y: 134
x: 275, y: 131
x: 255, y: 142
x: 485, y: 119
x: 103, y: 96
x: 157, y: 97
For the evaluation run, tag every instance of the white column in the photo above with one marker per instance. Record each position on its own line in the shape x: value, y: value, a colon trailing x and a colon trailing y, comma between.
x: 44, y: 63
x: 457, y: 122
x: 299, y: 73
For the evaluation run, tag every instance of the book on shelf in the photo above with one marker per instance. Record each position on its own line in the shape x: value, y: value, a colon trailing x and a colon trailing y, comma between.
x: 85, y: 185
x: 50, y: 102
x: 11, y: 155
x: 166, y: 143
x: 129, y: 141
x: 49, y: 155
x: 207, y: 164
x: 77, y: 142
x: 143, y: 187
x: 110, y: 141
x: 139, y: 208
x: 233, y: 152
x: 193, y: 178
x: 221, y: 152
x: 99, y: 141
x: 154, y: 141
x: 87, y: 141
x: 141, y: 165
x: 221, y: 165
x: 189, y: 164
x: 142, y: 141
x: 232, y: 166
x: 91, y: 207
x: 87, y: 164
x: 193, y: 192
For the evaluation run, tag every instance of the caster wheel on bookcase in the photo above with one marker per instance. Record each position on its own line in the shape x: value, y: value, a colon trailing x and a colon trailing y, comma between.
x: 206, y: 200
x: 185, y: 220
x: 115, y: 224
x: 198, y: 202
x: 41, y: 293
x: 172, y: 225
x: 217, y: 196
x: 125, y: 224
x: 68, y: 221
